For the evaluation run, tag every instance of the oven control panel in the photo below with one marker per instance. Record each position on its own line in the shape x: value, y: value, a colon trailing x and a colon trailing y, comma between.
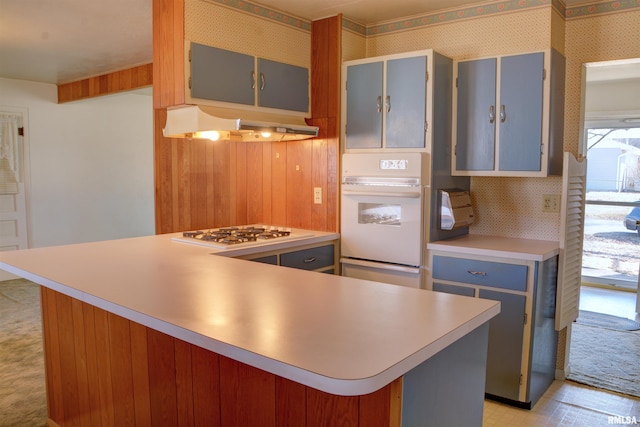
x: 394, y: 164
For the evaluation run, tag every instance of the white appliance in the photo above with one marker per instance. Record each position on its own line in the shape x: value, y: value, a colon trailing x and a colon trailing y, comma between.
x: 244, y: 236
x: 385, y: 217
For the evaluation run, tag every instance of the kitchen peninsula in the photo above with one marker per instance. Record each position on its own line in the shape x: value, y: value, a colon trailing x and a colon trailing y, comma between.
x: 150, y: 331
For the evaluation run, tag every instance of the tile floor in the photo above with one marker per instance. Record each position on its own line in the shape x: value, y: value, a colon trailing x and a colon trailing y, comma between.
x: 570, y: 404
x: 567, y: 404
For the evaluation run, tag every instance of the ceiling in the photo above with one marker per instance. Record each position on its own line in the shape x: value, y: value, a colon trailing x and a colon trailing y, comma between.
x: 67, y: 40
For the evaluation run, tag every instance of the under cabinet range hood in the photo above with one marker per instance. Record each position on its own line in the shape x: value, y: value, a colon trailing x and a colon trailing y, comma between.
x: 195, y: 121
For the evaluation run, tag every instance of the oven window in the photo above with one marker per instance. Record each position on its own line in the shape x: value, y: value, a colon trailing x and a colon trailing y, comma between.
x: 378, y: 213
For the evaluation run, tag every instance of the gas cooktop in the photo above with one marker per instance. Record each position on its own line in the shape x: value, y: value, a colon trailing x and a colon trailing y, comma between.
x: 239, y: 236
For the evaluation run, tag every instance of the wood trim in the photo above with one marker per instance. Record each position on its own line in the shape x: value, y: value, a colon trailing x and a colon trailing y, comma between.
x: 102, y: 369
x: 106, y: 84
x: 326, y: 61
x: 168, y: 53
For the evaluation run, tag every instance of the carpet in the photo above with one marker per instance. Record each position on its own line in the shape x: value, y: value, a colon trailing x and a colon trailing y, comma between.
x: 605, y: 358
x: 22, y: 383
x: 601, y: 320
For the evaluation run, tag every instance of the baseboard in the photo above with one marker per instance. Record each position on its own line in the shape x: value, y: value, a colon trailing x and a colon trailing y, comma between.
x: 511, y: 402
x: 561, y: 374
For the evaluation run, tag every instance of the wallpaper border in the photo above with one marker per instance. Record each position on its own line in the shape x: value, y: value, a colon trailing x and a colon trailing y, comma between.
x: 452, y: 15
x: 440, y: 17
x: 598, y: 8
x: 266, y: 13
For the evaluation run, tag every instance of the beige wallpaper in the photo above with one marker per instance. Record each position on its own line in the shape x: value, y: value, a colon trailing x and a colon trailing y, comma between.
x: 492, y: 35
x: 231, y: 29
x: 354, y: 46
x: 595, y: 39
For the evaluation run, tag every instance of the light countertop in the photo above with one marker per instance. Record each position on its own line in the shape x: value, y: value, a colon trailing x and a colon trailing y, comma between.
x: 495, y: 246
x: 340, y: 335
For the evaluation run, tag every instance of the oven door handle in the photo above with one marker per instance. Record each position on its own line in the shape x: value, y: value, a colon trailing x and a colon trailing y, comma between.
x: 412, y: 194
x: 381, y: 266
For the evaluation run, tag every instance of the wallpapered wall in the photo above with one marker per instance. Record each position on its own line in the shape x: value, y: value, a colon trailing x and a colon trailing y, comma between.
x: 509, y: 207
x: 249, y: 30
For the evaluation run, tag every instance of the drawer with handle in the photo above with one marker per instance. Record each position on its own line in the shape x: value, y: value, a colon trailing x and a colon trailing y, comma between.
x: 309, y: 259
x: 476, y: 272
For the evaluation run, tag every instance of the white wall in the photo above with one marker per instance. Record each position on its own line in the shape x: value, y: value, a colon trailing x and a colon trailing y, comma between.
x: 618, y: 97
x: 91, y: 164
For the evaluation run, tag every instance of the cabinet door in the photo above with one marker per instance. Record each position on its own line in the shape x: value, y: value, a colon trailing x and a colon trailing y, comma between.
x: 221, y: 75
x: 364, y: 106
x: 453, y: 289
x: 476, y: 114
x: 405, y: 102
x: 504, y: 356
x: 283, y: 86
x: 520, y: 112
x: 270, y: 259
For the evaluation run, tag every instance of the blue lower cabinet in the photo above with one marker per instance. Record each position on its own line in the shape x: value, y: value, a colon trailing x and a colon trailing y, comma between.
x: 320, y: 258
x: 506, y: 335
x: 513, y: 376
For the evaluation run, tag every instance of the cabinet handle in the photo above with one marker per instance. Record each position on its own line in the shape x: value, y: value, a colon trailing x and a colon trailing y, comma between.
x: 477, y: 273
x: 387, y: 103
x: 253, y: 80
x: 378, y: 101
x: 492, y: 114
x: 261, y: 81
x: 503, y: 114
x: 309, y: 260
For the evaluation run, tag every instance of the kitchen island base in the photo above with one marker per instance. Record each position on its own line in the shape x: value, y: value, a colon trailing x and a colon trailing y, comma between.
x: 103, y: 369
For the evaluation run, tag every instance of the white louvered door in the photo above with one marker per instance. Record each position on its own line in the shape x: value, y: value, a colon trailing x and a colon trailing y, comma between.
x: 571, y: 239
x: 13, y: 201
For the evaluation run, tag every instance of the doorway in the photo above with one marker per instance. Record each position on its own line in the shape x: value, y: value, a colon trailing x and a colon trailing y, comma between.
x: 14, y: 182
x: 611, y: 144
x: 611, y: 248
x: 611, y: 251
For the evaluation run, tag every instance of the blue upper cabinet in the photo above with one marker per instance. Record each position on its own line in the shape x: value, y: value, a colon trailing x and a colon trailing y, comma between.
x: 476, y: 115
x: 405, y: 102
x: 283, y: 86
x: 521, y: 92
x: 223, y: 76
x: 364, y: 105
x: 387, y: 102
x: 509, y: 115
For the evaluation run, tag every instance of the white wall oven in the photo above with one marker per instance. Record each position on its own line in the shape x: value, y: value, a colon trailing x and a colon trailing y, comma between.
x: 385, y: 216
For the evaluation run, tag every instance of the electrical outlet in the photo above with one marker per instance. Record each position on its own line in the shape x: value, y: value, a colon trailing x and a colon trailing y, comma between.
x: 551, y: 203
x: 317, y: 195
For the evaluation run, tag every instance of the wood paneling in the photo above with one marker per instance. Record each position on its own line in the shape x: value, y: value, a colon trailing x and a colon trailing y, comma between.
x: 184, y: 383
x: 248, y: 395
x: 70, y: 403
x: 291, y: 397
x: 140, y: 372
x: 168, y: 53
x: 204, y: 184
x: 104, y: 370
x: 205, y: 366
x: 326, y: 62
x: 162, y: 378
x: 118, y: 81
